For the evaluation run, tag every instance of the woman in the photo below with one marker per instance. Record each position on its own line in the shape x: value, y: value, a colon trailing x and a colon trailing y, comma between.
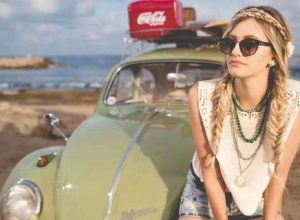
x: 248, y: 121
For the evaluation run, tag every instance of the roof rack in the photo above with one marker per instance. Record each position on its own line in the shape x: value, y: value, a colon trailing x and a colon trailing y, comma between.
x: 194, y: 34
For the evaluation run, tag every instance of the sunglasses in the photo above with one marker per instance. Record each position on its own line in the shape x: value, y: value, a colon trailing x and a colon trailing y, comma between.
x: 248, y: 46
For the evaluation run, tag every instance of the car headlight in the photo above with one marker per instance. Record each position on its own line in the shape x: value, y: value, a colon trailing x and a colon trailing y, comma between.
x: 22, y: 201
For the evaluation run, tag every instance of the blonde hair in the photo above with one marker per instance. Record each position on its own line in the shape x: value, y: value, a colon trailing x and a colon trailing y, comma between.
x: 279, y: 34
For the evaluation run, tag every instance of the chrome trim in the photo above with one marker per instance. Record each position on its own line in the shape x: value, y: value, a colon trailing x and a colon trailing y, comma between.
x: 36, y: 191
x: 53, y: 121
x: 121, y: 165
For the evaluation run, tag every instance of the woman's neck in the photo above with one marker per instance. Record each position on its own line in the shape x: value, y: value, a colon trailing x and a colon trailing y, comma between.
x: 250, y: 91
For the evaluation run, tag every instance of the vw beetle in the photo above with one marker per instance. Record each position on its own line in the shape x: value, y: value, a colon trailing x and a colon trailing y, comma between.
x: 130, y: 158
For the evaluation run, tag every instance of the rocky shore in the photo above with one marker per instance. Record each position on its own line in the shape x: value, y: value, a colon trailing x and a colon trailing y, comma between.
x: 27, y: 62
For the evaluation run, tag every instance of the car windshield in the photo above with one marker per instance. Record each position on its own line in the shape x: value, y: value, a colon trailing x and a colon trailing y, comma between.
x: 159, y: 82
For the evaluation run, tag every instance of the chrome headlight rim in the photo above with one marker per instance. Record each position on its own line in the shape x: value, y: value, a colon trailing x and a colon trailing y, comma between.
x: 33, y: 187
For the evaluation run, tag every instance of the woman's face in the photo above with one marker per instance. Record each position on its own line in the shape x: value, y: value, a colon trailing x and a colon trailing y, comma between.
x: 240, y: 66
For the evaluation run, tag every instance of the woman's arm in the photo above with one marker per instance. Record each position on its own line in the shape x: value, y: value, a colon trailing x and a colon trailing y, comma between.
x: 213, y: 181
x: 274, y: 191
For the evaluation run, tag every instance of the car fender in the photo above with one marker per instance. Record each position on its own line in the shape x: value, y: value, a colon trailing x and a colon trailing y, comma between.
x: 43, y: 177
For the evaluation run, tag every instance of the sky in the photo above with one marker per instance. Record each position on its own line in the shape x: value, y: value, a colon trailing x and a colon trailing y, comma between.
x: 83, y: 27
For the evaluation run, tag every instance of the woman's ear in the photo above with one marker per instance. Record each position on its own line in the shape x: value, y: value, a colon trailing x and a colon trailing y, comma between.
x: 271, y: 63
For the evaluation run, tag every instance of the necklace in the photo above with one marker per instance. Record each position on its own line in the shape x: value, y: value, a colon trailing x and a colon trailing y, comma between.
x: 241, y: 179
x: 233, y: 130
x: 240, y: 131
x: 258, y: 108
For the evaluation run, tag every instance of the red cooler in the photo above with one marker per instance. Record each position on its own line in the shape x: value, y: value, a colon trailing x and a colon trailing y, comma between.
x: 150, y: 19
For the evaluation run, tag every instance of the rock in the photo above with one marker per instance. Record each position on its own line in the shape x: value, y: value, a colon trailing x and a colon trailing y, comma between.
x: 27, y: 62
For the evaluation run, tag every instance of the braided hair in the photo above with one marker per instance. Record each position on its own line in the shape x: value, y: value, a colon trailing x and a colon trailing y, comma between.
x: 279, y: 34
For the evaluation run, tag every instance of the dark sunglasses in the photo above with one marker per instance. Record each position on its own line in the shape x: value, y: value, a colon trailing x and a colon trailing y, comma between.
x: 248, y: 46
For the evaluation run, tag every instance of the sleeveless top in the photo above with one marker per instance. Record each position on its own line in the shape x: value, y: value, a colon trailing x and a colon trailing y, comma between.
x: 259, y: 173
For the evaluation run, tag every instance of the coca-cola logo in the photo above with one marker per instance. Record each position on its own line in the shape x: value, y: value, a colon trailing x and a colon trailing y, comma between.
x: 152, y: 18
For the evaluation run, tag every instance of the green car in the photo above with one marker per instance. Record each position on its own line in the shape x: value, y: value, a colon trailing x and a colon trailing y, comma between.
x: 130, y: 158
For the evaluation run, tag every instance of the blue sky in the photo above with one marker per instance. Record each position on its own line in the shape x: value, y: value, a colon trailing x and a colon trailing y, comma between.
x: 54, y: 27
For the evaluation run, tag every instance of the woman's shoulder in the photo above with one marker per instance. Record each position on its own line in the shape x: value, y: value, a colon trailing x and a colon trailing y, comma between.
x: 202, y: 88
x: 293, y: 85
x: 209, y: 84
x: 293, y: 94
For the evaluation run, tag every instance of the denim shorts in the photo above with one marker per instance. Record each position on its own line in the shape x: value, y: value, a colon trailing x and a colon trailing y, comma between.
x: 194, y: 201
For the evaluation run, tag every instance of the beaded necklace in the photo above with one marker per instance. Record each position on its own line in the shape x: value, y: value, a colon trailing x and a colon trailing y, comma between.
x: 241, y: 179
x: 259, y: 108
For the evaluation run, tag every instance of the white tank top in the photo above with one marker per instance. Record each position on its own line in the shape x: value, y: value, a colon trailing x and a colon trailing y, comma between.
x: 260, y: 171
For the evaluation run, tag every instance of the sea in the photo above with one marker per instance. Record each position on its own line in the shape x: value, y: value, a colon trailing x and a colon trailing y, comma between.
x: 82, y: 72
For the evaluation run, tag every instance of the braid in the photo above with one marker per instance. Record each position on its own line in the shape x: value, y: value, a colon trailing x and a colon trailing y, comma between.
x: 220, y: 104
x: 277, y: 118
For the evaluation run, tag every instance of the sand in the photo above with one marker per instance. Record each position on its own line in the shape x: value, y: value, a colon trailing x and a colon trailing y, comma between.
x: 23, y: 129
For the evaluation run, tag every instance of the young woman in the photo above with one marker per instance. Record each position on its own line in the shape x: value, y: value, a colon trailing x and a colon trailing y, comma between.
x: 246, y: 125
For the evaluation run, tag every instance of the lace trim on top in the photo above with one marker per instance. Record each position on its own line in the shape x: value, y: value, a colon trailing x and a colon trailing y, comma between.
x: 206, y: 89
x: 293, y: 100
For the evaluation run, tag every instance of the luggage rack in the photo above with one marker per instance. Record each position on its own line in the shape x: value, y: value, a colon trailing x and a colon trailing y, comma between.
x: 195, y: 34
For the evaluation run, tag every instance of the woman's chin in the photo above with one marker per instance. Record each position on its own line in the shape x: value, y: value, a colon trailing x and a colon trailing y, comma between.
x: 238, y: 73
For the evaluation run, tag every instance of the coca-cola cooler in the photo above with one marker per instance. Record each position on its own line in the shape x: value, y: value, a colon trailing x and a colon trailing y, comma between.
x: 150, y: 19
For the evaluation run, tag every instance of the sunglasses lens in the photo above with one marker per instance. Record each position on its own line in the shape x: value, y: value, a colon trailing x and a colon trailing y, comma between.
x: 248, y: 46
x: 226, y: 45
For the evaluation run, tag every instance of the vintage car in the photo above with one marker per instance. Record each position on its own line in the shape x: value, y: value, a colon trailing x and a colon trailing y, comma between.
x: 130, y: 158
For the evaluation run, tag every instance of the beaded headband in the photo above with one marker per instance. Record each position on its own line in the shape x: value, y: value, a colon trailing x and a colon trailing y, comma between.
x: 268, y: 18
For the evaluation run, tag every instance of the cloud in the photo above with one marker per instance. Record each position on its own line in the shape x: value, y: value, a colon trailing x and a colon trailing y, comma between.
x: 204, y: 12
x: 258, y: 2
x: 97, y: 26
x: 5, y: 10
x: 47, y: 28
x: 44, y: 6
x: 85, y: 8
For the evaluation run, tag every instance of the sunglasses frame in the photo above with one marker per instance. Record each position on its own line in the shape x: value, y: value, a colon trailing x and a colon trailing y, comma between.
x: 259, y: 43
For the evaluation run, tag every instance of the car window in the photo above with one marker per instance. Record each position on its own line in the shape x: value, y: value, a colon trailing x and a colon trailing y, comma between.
x: 122, y: 89
x: 159, y: 82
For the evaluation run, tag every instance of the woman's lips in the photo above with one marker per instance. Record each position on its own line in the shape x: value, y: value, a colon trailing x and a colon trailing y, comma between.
x: 235, y: 63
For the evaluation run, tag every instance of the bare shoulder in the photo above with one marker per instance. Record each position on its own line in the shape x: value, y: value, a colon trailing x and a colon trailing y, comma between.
x: 193, y: 93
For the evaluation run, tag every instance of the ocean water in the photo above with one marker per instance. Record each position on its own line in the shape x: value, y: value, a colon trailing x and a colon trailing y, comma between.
x: 78, y: 72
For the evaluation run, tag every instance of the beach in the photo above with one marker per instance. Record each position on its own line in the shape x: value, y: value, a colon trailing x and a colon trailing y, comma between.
x: 24, y: 129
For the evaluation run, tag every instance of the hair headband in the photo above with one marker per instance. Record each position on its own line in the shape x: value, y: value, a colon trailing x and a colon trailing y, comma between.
x: 268, y: 18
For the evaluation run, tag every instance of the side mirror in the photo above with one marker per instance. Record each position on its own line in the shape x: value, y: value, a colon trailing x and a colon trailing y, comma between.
x: 53, y: 120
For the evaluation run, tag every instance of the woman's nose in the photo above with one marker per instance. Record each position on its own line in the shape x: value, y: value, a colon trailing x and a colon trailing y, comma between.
x: 236, y: 50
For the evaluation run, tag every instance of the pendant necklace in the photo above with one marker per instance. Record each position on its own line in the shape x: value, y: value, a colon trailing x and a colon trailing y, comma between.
x: 241, y: 180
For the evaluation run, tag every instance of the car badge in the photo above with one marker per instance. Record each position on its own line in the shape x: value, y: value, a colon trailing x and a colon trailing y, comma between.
x: 133, y: 214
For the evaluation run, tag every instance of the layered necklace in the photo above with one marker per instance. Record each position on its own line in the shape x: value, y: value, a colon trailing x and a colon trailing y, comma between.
x: 237, y: 131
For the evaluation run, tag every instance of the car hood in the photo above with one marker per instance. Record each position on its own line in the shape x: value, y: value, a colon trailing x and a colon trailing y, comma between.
x: 117, y: 168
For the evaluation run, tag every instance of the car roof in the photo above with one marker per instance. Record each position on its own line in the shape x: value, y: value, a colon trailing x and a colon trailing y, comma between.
x: 204, y: 53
